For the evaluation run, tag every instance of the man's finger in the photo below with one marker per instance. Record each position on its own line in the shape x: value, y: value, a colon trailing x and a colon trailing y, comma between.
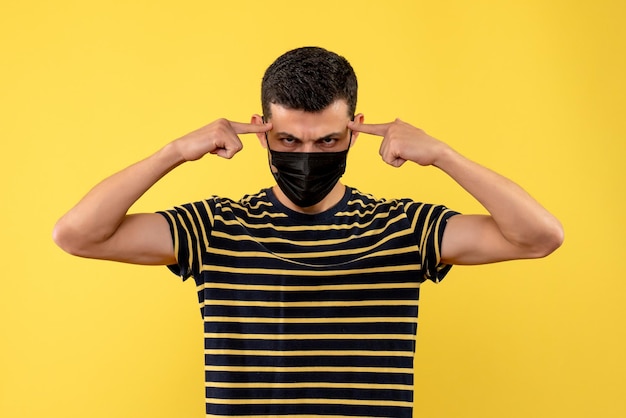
x: 250, y: 128
x: 379, y: 129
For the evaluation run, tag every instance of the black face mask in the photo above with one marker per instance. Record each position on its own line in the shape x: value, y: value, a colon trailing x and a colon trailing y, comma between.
x: 307, y: 177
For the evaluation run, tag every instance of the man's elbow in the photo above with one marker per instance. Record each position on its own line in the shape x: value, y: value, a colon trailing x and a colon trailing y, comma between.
x: 548, y: 241
x: 70, y: 239
x: 63, y: 238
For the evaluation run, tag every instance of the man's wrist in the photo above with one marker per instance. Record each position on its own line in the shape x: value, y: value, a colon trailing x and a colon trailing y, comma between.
x: 445, y: 157
x: 171, y: 155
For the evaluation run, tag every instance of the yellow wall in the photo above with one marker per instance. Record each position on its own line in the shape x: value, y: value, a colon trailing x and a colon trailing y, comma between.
x: 534, y: 89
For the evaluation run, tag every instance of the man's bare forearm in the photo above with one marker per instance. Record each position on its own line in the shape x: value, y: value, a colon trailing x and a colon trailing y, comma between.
x: 96, y: 217
x: 517, y: 225
x: 98, y: 226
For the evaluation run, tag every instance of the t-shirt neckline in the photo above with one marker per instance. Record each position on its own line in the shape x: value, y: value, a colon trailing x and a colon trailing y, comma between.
x: 308, y: 217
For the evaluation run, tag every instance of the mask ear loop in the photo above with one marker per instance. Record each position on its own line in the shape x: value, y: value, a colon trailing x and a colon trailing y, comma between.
x: 350, y: 142
x: 269, y: 150
x: 267, y: 140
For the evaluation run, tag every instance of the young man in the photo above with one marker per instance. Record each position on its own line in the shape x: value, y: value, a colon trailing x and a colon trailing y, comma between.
x: 309, y: 289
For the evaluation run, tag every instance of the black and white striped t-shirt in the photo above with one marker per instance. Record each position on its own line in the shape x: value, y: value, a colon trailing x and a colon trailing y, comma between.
x: 309, y: 315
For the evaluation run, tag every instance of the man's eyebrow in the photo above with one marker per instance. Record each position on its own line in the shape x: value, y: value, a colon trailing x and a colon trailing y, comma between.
x: 290, y: 136
x: 287, y: 135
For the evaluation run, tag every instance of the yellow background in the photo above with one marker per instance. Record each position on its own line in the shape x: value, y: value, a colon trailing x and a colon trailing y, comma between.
x: 533, y: 89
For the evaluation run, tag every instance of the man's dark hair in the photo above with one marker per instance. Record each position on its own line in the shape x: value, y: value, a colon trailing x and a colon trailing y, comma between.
x: 309, y: 79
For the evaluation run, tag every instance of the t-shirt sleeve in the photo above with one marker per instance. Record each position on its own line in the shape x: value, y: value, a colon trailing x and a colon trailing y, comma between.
x: 430, y: 222
x: 190, y: 226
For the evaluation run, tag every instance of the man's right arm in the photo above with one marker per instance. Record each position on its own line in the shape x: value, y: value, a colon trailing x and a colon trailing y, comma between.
x: 99, y: 226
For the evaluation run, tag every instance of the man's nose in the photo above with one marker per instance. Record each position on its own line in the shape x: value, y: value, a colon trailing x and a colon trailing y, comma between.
x: 308, y: 147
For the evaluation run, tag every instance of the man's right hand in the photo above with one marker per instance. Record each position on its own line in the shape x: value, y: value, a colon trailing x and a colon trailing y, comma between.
x: 220, y: 137
x: 98, y: 226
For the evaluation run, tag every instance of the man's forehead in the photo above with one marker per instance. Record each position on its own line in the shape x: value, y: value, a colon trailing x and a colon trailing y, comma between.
x: 338, y: 108
x: 300, y: 123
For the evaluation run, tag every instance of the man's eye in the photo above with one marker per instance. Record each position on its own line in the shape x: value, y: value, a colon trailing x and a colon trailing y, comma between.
x: 288, y: 140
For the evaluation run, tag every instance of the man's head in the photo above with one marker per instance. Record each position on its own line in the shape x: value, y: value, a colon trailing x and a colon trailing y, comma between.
x: 309, y: 97
x: 308, y: 79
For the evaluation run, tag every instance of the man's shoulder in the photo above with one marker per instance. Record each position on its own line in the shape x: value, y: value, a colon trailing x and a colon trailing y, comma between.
x: 410, y: 206
x: 261, y: 203
x: 217, y: 203
x: 370, y: 200
x: 246, y: 200
x: 262, y: 195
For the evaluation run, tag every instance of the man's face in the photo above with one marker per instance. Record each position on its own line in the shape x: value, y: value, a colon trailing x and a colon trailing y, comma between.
x: 300, y: 131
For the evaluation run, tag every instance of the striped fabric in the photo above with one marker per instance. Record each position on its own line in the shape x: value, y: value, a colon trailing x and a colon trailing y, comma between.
x: 309, y: 315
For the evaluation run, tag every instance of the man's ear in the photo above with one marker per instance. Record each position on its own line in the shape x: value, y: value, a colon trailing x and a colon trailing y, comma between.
x: 258, y: 120
x: 358, y: 118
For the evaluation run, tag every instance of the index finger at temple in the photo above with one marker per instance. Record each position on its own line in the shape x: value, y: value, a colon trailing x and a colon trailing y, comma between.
x: 250, y: 128
x: 379, y: 129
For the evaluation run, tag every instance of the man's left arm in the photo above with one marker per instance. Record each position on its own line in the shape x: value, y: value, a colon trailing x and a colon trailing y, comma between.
x: 517, y: 226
